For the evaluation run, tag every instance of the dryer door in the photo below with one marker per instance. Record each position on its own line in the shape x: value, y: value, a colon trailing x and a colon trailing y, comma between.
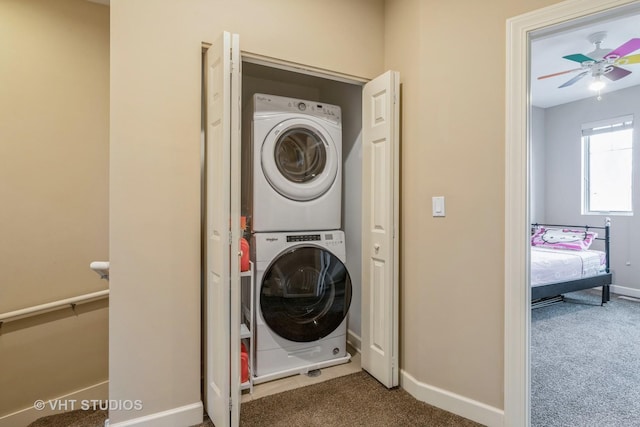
x: 299, y: 159
x: 305, y: 294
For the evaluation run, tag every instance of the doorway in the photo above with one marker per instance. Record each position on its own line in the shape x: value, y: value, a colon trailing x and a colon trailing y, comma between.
x: 520, y: 32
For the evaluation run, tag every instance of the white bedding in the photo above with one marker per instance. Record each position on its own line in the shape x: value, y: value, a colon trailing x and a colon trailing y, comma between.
x: 558, y: 265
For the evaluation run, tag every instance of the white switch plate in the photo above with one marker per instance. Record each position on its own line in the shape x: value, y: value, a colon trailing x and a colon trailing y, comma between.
x: 438, y: 205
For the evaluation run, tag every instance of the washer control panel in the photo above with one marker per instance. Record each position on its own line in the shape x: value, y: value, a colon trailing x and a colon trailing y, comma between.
x: 328, y: 238
x: 304, y: 238
x: 266, y: 246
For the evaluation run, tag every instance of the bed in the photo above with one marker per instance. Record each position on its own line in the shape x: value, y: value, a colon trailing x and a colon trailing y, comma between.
x: 562, y: 261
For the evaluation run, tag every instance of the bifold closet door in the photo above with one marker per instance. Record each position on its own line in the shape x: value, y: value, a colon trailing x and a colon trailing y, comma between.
x: 222, y: 205
x: 380, y: 210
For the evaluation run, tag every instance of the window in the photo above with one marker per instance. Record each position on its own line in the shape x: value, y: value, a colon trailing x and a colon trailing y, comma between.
x: 607, y: 166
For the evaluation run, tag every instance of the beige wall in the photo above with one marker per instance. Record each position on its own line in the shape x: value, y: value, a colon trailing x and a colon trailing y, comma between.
x: 155, y: 165
x: 452, y: 60
x: 451, y: 56
x: 54, y: 100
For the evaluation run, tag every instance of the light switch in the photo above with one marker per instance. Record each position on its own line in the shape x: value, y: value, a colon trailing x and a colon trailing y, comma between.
x: 438, y: 205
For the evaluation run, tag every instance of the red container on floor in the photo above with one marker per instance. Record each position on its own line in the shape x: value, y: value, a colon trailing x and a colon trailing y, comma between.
x: 244, y: 257
x: 244, y: 364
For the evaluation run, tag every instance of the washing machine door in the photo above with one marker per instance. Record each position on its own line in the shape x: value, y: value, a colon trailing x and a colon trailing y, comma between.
x: 305, y: 294
x: 300, y: 159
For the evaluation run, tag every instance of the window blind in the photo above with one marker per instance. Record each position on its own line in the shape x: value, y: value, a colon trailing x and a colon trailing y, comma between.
x: 604, y: 126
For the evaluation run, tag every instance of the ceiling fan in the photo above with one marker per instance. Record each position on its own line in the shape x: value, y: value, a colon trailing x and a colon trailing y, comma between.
x: 601, y: 61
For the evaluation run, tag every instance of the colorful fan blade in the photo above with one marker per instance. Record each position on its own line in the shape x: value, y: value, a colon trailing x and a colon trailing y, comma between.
x: 628, y: 47
x: 575, y: 79
x: 559, y: 74
x: 578, y: 57
x: 632, y: 59
x: 616, y: 73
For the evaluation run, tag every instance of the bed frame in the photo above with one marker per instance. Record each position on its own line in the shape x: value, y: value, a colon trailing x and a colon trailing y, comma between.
x: 605, y: 279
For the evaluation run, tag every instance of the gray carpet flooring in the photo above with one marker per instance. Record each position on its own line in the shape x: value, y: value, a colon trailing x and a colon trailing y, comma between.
x: 585, y: 363
x: 585, y: 372
x: 351, y: 400
x: 77, y: 418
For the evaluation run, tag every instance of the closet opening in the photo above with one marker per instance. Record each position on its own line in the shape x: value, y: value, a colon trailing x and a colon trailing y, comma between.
x: 316, y: 89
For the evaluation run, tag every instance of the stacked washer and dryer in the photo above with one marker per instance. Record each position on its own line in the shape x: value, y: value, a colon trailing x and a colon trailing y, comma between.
x: 292, y: 197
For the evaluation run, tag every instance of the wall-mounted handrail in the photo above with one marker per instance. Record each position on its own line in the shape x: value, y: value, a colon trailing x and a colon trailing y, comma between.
x: 101, y: 267
x: 50, y: 306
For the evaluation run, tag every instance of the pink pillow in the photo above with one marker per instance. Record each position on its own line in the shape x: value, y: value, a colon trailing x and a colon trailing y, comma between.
x: 565, y: 238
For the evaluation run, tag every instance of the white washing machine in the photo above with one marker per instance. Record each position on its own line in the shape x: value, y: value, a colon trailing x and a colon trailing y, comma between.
x: 303, y: 293
x: 293, y: 151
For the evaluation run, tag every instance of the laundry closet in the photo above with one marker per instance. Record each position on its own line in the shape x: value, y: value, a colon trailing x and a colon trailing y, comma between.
x: 371, y: 203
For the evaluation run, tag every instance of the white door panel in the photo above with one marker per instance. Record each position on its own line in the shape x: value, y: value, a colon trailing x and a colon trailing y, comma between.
x: 380, y: 207
x: 235, y: 173
x: 222, y: 304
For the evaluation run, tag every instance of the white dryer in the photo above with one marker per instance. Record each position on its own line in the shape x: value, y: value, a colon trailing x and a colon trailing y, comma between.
x: 303, y: 293
x: 293, y: 151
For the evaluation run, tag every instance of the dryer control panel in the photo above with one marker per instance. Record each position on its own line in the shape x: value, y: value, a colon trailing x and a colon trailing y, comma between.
x: 266, y: 104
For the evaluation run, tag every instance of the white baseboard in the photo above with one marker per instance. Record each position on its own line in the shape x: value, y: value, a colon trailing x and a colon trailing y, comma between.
x: 65, y: 403
x: 354, y: 340
x: 451, y: 402
x: 186, y: 415
x: 629, y: 292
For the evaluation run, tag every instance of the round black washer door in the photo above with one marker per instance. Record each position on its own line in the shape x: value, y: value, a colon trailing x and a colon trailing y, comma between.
x: 305, y: 294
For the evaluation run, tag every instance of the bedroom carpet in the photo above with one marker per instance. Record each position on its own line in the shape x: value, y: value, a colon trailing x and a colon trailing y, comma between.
x: 585, y: 362
x: 351, y: 400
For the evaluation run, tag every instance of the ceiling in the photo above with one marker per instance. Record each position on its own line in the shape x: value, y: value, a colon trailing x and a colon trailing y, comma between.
x: 547, y: 51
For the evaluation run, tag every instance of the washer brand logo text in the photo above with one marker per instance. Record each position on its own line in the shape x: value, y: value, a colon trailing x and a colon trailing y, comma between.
x: 272, y: 239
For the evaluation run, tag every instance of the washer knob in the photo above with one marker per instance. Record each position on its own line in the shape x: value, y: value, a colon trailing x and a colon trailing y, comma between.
x: 302, y: 106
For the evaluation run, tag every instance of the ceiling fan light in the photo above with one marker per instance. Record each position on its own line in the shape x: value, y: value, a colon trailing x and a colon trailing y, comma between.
x: 597, y: 84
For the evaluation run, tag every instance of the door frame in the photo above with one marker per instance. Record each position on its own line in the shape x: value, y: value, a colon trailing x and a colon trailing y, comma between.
x: 517, y: 320
x: 392, y: 337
